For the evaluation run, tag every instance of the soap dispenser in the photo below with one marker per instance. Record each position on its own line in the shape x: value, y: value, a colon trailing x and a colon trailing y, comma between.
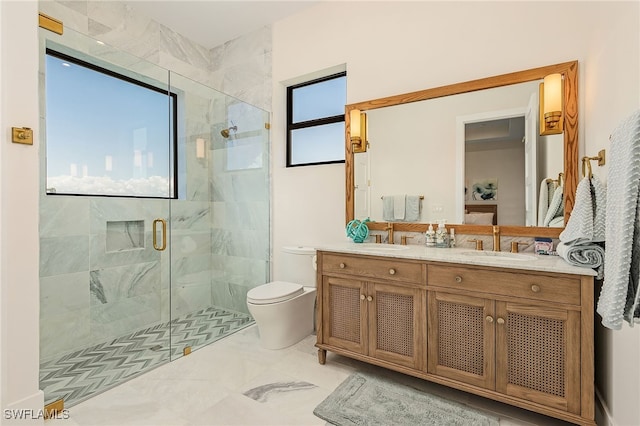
x: 430, y: 237
x: 442, y: 239
x: 452, y: 238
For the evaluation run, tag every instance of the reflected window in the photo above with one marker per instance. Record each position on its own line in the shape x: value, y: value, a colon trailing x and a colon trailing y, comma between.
x: 106, y: 133
x: 315, y: 121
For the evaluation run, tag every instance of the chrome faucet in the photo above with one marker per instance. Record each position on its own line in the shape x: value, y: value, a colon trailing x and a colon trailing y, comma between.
x: 389, y: 228
x: 496, y: 238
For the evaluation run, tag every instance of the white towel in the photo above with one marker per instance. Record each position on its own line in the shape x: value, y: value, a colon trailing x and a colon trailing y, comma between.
x: 556, y: 207
x: 399, y: 202
x: 620, y: 295
x: 588, y: 255
x: 547, y: 188
x: 387, y: 208
x: 587, y: 221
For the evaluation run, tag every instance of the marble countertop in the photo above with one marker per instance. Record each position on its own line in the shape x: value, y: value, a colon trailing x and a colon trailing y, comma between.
x: 526, y: 261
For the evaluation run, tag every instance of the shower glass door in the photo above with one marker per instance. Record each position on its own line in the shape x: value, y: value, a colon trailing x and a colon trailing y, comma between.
x: 107, y: 180
x: 151, y: 230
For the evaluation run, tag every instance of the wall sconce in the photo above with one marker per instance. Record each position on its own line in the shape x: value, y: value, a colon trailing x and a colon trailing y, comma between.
x: 200, y: 148
x: 358, y: 131
x: 551, y: 112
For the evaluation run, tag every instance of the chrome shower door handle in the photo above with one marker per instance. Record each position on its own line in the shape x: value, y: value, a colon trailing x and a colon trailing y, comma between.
x: 164, y: 234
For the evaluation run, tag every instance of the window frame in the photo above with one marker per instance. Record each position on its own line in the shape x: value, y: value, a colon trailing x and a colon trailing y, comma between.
x: 310, y: 123
x: 173, y: 126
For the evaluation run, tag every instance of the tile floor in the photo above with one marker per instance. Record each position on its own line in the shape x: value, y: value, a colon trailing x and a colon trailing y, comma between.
x: 81, y: 374
x: 236, y: 382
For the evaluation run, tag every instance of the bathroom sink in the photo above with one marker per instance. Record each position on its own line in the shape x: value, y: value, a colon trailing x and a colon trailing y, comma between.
x: 499, y: 255
x: 382, y: 247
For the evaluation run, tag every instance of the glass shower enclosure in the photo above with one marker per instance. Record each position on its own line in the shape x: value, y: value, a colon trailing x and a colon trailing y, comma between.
x: 149, y: 239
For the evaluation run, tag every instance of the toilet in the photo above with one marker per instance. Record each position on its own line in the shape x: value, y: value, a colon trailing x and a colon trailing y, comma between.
x: 284, y: 310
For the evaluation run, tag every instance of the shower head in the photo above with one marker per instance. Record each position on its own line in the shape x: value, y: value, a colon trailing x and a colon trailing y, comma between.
x: 225, y: 132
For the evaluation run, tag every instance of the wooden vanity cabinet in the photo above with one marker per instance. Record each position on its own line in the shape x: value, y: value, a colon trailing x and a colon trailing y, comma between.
x: 513, y: 333
x: 372, y: 309
x: 520, y: 337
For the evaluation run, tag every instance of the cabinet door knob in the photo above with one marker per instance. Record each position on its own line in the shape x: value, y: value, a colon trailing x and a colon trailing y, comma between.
x: 535, y: 288
x: 369, y: 298
x: 500, y: 320
x: 342, y: 265
x: 392, y: 271
x: 362, y: 297
x: 489, y: 318
x: 458, y: 279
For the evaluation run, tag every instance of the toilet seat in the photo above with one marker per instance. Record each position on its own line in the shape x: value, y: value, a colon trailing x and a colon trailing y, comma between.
x: 274, y: 292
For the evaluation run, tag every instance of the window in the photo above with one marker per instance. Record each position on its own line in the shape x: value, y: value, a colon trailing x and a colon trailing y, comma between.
x: 315, y: 121
x: 106, y: 133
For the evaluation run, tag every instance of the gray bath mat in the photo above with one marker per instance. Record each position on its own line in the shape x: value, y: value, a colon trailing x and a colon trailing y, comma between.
x: 365, y: 399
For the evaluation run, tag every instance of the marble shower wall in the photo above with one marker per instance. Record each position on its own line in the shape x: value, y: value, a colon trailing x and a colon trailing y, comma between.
x: 220, y: 228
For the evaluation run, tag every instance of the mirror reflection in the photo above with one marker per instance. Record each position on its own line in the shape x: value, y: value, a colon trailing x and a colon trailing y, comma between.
x: 470, y: 158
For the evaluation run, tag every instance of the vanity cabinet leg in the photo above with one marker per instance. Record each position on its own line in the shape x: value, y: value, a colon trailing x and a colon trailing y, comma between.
x: 322, y: 356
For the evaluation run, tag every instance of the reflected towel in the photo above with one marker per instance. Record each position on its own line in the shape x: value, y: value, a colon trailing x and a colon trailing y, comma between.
x: 399, y: 202
x: 585, y: 255
x: 556, y: 207
x: 547, y: 188
x: 387, y: 208
x: 412, y: 212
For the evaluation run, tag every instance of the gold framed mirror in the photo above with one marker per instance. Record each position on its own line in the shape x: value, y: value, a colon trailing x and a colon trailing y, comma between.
x: 569, y: 72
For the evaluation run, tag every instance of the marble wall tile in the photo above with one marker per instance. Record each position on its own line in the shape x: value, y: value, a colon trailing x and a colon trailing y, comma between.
x: 105, y: 209
x: 220, y: 242
x: 242, y: 271
x: 190, y: 215
x: 101, y: 258
x: 110, y: 14
x: 63, y: 294
x: 242, y: 49
x: 63, y: 255
x: 112, y: 284
x: 250, y: 243
x: 125, y: 235
x: 239, y: 297
x: 182, y: 48
x: 182, y: 68
x: 60, y: 334
x: 188, y: 244
x: 72, y: 17
x: 190, y: 298
x: 221, y: 294
x: 63, y: 216
x: 249, y: 216
x: 251, y: 186
x: 124, y: 316
x: 191, y: 264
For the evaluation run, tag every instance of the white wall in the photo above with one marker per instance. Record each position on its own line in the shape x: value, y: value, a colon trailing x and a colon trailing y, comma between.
x: 19, y: 289
x: 393, y: 47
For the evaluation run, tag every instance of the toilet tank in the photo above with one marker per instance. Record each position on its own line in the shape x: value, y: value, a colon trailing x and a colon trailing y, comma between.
x: 299, y: 265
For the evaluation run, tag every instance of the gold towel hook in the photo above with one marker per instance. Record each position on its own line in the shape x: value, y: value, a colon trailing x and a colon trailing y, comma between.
x: 601, y: 162
x: 586, y: 164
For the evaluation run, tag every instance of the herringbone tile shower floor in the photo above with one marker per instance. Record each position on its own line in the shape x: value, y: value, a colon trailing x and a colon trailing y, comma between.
x: 81, y: 374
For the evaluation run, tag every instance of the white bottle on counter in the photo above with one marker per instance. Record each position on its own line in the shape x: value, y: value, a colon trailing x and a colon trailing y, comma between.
x: 430, y: 237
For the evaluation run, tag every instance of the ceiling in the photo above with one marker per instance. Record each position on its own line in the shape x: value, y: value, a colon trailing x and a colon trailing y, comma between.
x: 212, y: 23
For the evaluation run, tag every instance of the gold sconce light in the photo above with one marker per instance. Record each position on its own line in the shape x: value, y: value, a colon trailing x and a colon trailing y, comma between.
x: 358, y: 129
x: 551, y: 111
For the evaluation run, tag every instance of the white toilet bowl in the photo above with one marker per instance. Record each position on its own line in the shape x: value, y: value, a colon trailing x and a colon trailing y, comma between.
x: 285, y: 310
